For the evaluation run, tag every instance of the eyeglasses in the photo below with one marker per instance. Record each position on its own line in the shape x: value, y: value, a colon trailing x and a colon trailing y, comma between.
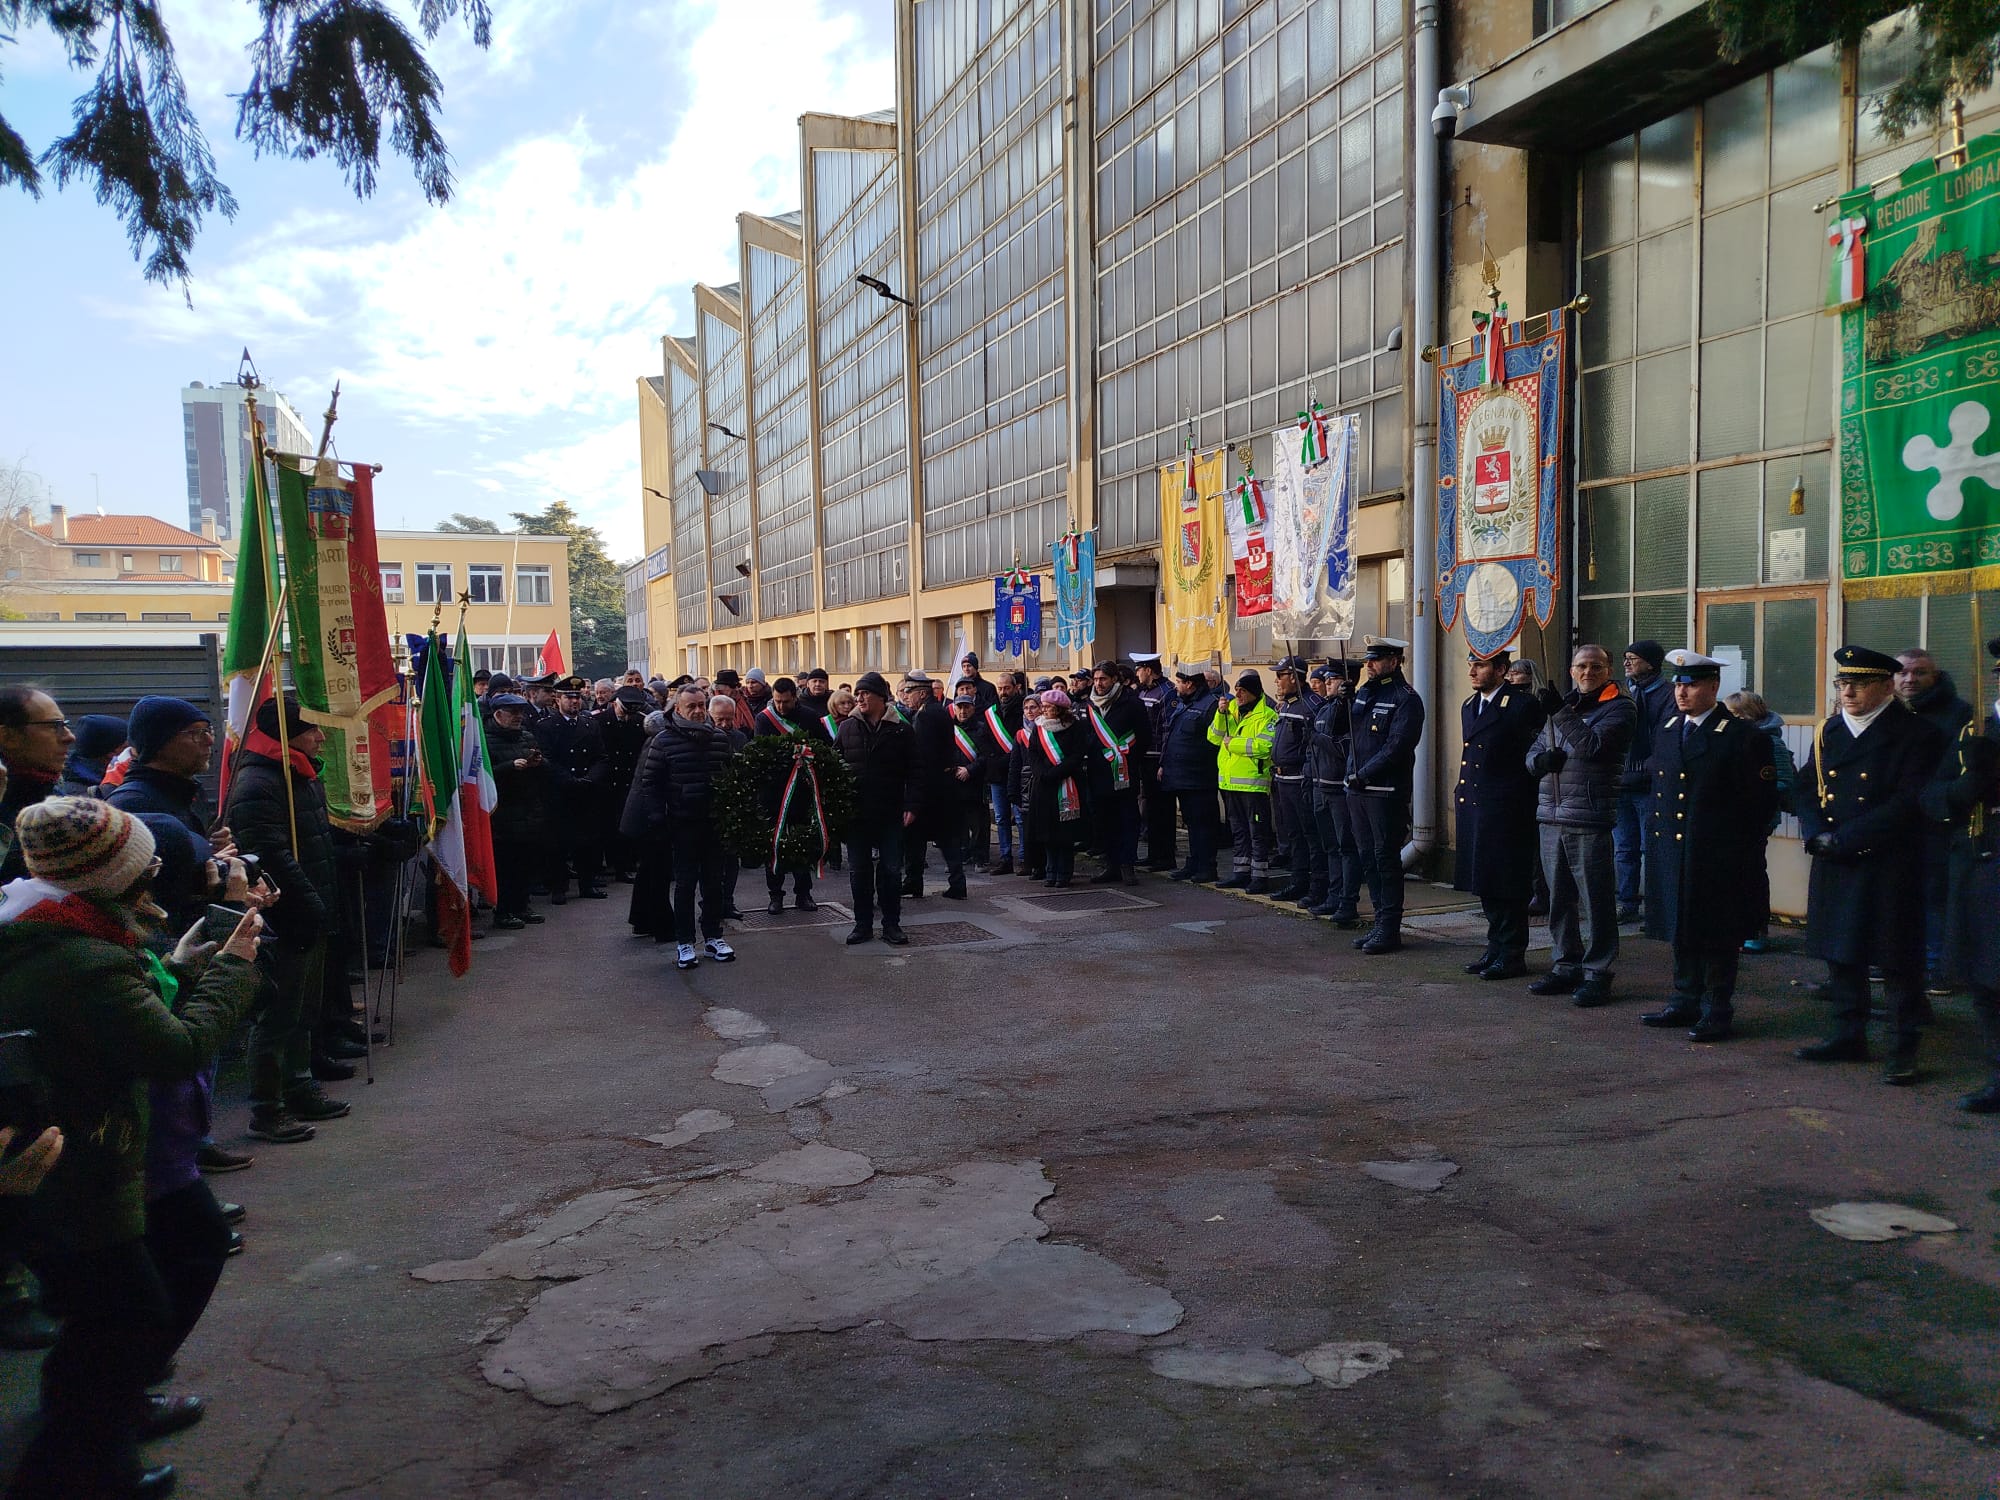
x: 46, y: 724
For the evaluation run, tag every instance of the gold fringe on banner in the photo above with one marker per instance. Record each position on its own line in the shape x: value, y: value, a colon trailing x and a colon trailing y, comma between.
x: 1916, y: 585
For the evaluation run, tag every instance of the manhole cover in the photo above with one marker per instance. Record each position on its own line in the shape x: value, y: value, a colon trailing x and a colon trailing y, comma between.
x: 830, y: 913
x: 943, y: 934
x: 1086, y: 901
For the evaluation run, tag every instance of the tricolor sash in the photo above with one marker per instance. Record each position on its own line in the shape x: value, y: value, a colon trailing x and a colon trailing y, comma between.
x: 967, y: 746
x: 998, y: 728
x: 1116, y: 750
x: 777, y: 721
x: 832, y: 726
x: 1069, y: 806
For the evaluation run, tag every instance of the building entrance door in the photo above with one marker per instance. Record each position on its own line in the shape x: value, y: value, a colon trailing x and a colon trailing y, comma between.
x: 1771, y: 641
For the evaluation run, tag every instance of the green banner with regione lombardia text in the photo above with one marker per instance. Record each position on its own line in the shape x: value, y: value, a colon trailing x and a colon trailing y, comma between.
x: 1920, y: 379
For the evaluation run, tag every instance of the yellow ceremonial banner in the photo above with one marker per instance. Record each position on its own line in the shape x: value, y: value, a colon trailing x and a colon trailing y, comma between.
x: 1195, y: 551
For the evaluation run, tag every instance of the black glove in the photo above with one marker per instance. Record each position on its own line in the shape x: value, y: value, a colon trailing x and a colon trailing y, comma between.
x: 1554, y: 760
x: 1550, y: 699
x: 1821, y: 846
x: 1355, y: 783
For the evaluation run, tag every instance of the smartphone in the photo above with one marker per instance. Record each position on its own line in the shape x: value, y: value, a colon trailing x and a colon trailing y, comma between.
x: 218, y: 923
x: 24, y: 1102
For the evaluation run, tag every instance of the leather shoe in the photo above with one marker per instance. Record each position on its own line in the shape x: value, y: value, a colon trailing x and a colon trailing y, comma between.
x: 804, y: 903
x: 166, y: 1415
x: 1710, y: 1029
x: 1346, y: 921
x: 1383, y: 942
x: 1504, y: 968
x: 1555, y: 983
x: 1591, y: 994
x: 1672, y: 1015
x: 232, y: 1213
x: 1366, y: 938
x: 344, y: 1049
x: 1835, y: 1049
x: 155, y: 1484
x: 327, y: 1069
x: 1258, y: 886
x: 860, y: 935
x: 895, y: 937
x: 1900, y: 1069
x: 1182, y: 873
x: 1984, y: 1101
x: 1481, y: 964
x: 776, y: 907
x: 1235, y: 882
x: 1106, y: 876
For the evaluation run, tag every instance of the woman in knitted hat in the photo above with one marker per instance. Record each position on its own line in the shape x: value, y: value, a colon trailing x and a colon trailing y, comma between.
x: 106, y: 1015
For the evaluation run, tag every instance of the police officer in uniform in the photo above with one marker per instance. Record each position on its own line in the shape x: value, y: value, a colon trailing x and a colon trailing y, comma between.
x: 1968, y: 802
x: 1384, y: 726
x: 1713, y: 788
x: 1495, y: 803
x: 1858, y: 797
x: 1327, y: 774
x: 621, y: 725
x: 578, y: 773
x: 1291, y: 787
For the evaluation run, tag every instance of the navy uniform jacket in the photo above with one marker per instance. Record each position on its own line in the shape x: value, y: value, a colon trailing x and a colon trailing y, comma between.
x: 1967, y: 801
x: 1292, y: 735
x: 1713, y: 796
x: 1384, y: 725
x: 575, y: 751
x: 1865, y: 904
x: 1495, y: 799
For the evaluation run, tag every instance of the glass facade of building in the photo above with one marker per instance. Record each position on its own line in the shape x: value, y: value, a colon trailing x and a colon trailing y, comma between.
x: 690, y: 507
x: 1706, y: 392
x: 1248, y: 172
x: 991, y: 339
x: 780, y: 413
x: 860, y: 340
x: 721, y: 345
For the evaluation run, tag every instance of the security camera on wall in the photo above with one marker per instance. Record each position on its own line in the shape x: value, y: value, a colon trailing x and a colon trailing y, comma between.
x: 1451, y: 103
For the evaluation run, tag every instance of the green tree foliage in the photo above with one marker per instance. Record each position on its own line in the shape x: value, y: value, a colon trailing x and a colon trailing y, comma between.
x: 466, y: 525
x: 1958, y: 44
x: 328, y: 78
x: 596, y: 590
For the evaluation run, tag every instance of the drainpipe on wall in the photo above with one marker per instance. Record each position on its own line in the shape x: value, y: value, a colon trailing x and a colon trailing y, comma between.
x: 1424, y: 270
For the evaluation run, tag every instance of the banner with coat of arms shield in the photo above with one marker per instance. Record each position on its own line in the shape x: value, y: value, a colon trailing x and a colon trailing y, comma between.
x: 1311, y: 502
x: 1500, y: 444
x: 1195, y: 551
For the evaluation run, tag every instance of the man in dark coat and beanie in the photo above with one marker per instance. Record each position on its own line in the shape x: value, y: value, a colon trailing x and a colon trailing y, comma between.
x: 1495, y: 808
x: 1156, y: 807
x: 275, y: 798
x: 938, y: 817
x: 1117, y: 724
x: 1968, y: 804
x: 521, y: 816
x: 1714, y: 790
x: 98, y: 738
x: 1927, y: 691
x: 1858, y: 802
x: 673, y: 803
x: 881, y: 750
x: 1187, y: 770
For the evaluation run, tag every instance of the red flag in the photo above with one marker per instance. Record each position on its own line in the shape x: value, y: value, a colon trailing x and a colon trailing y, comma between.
x: 552, y: 657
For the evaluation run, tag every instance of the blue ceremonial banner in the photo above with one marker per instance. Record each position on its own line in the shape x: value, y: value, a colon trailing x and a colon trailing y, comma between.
x: 1075, y: 557
x: 1017, y: 613
x: 1500, y: 446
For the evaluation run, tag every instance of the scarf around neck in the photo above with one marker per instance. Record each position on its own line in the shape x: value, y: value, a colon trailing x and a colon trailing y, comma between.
x: 259, y: 743
x: 1103, y: 700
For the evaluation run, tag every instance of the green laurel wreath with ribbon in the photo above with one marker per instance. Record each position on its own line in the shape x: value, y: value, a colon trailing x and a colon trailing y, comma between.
x: 795, y: 777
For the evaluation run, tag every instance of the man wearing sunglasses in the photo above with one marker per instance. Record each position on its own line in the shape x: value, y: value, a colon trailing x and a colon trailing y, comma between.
x: 34, y: 739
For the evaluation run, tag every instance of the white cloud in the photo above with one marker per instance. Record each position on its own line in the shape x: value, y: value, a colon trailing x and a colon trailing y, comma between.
x: 598, y: 473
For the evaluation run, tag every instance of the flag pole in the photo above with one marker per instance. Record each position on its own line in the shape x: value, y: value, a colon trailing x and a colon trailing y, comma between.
x: 260, y: 500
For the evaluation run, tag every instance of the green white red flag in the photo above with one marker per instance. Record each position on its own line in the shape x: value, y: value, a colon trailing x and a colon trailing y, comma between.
x: 251, y: 604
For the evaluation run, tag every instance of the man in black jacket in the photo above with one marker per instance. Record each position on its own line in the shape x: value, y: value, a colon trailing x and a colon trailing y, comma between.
x: 1156, y: 807
x: 999, y: 723
x: 277, y: 811
x: 1384, y: 726
x: 673, y: 802
x: 1333, y: 685
x: 1714, y: 792
x: 521, y: 815
x: 1119, y: 739
x: 881, y: 751
x: 579, y: 772
x: 783, y: 715
x: 622, y: 727
x: 937, y: 816
x: 1632, y: 836
x: 1187, y: 770
x: 1495, y: 810
x: 1858, y: 800
x: 1291, y: 786
x: 1928, y: 692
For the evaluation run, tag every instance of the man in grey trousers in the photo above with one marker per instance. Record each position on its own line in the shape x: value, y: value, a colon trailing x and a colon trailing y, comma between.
x: 1579, y: 757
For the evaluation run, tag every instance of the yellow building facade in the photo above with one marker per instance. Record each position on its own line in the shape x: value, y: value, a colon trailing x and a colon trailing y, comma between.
x: 519, y: 586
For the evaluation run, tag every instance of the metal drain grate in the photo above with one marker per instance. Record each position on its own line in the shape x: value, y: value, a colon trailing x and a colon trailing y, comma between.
x: 830, y: 914
x: 1086, y: 900
x: 944, y: 934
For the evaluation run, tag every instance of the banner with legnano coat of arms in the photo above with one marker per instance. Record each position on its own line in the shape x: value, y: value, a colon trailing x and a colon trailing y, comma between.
x: 1195, y: 549
x: 1916, y: 277
x: 1499, y: 487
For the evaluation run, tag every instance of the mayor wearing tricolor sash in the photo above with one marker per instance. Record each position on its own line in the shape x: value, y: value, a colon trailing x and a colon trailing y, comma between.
x: 1119, y: 741
x: 784, y: 714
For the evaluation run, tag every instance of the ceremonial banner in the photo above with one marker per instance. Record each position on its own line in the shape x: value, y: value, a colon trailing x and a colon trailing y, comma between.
x: 341, y: 666
x: 1500, y: 447
x: 1249, y: 545
x: 1192, y: 539
x: 1920, y: 380
x: 1075, y: 558
x: 1017, y: 613
x: 251, y: 602
x: 1311, y: 503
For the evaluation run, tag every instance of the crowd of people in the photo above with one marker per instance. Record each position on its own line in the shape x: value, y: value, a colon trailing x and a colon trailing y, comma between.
x: 141, y: 927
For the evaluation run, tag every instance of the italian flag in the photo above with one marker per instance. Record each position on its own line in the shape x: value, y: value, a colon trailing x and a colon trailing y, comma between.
x: 252, y: 611
x: 459, y: 796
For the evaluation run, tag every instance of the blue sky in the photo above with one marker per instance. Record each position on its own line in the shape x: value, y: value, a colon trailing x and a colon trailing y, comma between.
x: 486, y: 350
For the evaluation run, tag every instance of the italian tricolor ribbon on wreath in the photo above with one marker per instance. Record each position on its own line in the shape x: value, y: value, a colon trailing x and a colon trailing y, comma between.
x: 1117, y: 750
x: 1068, y: 806
x: 802, y: 764
x: 1249, y: 546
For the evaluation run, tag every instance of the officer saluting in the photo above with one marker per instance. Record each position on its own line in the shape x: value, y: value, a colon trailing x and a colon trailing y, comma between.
x: 1714, y: 789
x: 1497, y: 842
x: 1857, y: 796
x: 1385, y: 724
